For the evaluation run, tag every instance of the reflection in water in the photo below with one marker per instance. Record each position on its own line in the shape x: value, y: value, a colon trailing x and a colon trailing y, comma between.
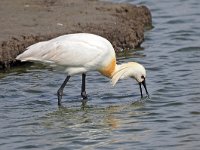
x: 108, y: 118
x: 94, y: 124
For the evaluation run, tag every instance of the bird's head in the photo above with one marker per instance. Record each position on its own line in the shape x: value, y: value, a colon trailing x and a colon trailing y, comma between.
x: 136, y: 71
x: 133, y: 70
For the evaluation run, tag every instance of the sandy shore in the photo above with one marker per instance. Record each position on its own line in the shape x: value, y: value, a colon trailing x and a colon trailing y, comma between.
x: 24, y: 22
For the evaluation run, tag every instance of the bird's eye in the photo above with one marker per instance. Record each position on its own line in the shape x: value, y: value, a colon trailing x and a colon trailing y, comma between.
x: 142, y: 77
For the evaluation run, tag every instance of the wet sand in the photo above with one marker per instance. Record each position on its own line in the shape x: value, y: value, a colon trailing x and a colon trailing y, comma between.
x: 25, y: 22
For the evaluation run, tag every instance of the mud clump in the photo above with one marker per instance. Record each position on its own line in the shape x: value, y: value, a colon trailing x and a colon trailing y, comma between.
x: 26, y: 22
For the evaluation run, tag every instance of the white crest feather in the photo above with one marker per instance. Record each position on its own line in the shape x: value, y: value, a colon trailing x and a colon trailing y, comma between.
x: 131, y: 69
x: 123, y: 72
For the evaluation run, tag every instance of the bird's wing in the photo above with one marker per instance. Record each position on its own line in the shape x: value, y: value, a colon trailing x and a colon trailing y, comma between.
x: 73, y: 54
x: 68, y: 51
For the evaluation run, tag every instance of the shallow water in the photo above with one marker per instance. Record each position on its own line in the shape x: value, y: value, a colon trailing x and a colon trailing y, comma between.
x: 114, y: 118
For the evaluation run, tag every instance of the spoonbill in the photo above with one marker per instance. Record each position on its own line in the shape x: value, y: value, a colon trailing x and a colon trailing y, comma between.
x: 80, y: 53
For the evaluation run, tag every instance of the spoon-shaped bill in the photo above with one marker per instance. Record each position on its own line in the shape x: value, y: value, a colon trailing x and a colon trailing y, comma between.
x: 145, y: 87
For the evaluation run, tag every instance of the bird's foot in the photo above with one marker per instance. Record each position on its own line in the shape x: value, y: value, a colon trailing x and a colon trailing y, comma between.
x: 84, y: 95
x: 59, y: 94
x: 59, y: 102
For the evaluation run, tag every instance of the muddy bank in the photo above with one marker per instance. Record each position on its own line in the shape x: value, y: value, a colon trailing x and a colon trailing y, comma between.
x: 26, y: 22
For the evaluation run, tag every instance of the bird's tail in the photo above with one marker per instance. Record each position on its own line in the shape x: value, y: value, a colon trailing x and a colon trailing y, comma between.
x: 32, y: 52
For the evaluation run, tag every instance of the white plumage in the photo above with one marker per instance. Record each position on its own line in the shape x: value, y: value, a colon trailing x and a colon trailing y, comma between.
x: 78, y: 52
x: 82, y: 52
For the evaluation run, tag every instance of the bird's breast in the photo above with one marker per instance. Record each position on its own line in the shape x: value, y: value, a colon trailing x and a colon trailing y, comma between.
x: 109, y: 68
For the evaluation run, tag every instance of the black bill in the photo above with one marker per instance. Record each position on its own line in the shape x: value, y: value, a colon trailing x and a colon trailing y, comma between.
x: 145, y: 87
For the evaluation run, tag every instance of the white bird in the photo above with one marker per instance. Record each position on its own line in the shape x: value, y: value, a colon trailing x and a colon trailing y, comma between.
x: 82, y: 52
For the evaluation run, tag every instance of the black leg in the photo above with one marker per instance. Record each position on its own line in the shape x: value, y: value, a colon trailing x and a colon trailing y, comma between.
x: 60, y: 90
x: 83, y: 92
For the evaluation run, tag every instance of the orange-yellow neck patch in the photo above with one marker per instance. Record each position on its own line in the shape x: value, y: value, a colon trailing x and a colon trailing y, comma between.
x: 109, y: 69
